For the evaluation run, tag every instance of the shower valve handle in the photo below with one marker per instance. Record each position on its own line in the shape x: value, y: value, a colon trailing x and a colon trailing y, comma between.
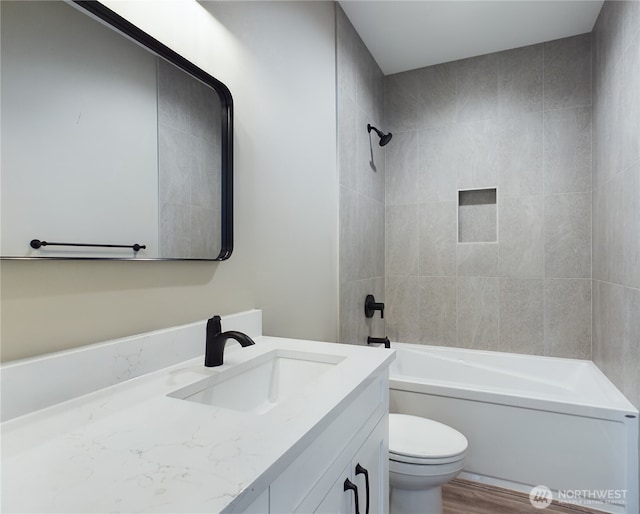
x: 370, y: 306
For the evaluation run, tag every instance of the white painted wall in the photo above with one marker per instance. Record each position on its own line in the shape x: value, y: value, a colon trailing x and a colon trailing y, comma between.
x: 278, y: 59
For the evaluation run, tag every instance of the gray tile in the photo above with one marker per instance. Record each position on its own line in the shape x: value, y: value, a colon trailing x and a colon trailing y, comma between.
x: 567, y: 150
x: 354, y: 326
x: 477, y: 259
x: 370, y: 160
x: 173, y: 97
x: 631, y: 347
x: 376, y: 326
x: 598, y: 332
x: 361, y: 239
x: 608, y: 330
x: 631, y: 226
x: 437, y: 229
x: 401, y: 99
x: 598, y: 247
x: 347, y: 149
x: 609, y: 120
x: 477, y: 216
x: 352, y: 319
x: 567, y: 72
x: 520, y: 155
x: 369, y: 83
x: 204, y: 112
x: 477, y: 151
x: 350, y: 238
x: 206, y: 239
x: 599, y: 139
x: 438, y: 305
x: 401, y: 247
x: 477, y: 88
x: 608, y: 233
x: 567, y: 318
x: 607, y: 37
x: 522, y: 315
x: 479, y: 313
x: 401, y: 169
x: 436, y: 104
x: 402, y: 309
x: 630, y: 21
x: 631, y: 103
x: 521, y: 237
x: 567, y: 235
x: 617, y: 24
x: 346, y: 56
x: 174, y: 176
x: 206, y: 189
x: 175, y: 231
x: 520, y: 81
x: 437, y: 164
x: 373, y: 236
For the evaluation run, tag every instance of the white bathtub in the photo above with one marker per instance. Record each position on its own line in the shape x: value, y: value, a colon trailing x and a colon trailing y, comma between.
x: 529, y: 420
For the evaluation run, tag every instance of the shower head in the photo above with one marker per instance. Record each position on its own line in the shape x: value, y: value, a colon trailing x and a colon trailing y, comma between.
x: 384, y: 138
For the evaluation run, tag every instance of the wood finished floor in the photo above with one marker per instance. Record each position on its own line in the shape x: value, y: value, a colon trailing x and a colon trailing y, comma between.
x: 465, y: 497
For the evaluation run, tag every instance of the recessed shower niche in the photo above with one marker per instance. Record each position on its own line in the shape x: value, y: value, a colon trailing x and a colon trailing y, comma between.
x: 477, y: 216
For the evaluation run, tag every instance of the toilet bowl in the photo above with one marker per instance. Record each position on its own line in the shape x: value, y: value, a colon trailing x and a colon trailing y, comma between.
x: 423, y: 455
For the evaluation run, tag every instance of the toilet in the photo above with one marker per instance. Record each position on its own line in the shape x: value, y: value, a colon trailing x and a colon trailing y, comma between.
x: 423, y: 455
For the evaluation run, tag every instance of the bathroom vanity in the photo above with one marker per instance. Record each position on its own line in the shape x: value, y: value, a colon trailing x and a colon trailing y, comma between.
x: 282, y: 426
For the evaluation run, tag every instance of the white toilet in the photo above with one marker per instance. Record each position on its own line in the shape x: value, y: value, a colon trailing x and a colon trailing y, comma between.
x: 423, y: 455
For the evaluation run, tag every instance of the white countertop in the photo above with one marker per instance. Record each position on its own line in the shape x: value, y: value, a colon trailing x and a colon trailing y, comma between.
x: 131, y: 448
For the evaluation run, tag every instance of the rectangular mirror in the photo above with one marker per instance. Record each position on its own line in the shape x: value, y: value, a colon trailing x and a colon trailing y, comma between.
x: 113, y: 145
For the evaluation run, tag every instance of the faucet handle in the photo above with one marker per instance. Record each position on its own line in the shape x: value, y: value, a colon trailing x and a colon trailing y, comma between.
x: 214, y: 326
x: 370, y: 306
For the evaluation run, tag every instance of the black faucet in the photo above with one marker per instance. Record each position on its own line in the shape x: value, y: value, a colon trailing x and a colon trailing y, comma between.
x: 379, y: 340
x: 370, y: 306
x: 216, y: 340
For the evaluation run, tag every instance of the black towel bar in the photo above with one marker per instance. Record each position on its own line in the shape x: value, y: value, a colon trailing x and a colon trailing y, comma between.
x: 36, y: 243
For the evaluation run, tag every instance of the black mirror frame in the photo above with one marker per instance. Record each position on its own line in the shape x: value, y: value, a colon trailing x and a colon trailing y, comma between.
x: 129, y: 29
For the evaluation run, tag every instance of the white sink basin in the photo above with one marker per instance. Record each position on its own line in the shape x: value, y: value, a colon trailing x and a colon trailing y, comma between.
x: 260, y: 384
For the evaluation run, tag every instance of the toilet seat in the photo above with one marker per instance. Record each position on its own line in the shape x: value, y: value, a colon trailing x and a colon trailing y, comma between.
x: 421, y: 441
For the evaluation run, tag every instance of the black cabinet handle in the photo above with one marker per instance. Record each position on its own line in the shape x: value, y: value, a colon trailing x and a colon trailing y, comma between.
x: 363, y: 471
x: 349, y: 485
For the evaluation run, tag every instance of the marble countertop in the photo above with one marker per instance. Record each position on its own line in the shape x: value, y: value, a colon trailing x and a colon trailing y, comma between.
x: 131, y: 448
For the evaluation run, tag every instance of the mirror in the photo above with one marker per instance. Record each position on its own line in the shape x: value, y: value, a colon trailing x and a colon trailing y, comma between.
x: 113, y: 145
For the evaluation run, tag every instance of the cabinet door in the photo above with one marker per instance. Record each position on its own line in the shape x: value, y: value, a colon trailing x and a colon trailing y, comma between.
x: 337, y: 500
x: 369, y: 467
x: 374, y: 467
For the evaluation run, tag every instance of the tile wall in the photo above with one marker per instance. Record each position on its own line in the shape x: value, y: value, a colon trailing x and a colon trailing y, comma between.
x: 616, y: 195
x: 519, y: 121
x: 361, y: 166
x: 188, y: 166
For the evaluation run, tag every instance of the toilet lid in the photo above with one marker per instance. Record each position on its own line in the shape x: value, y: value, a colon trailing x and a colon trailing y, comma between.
x: 413, y: 436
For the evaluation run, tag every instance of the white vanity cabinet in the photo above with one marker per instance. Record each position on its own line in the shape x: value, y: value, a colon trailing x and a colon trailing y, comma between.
x: 356, y: 435
x: 158, y: 451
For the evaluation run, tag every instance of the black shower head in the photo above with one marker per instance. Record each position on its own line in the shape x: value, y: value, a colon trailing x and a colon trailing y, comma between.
x: 384, y: 138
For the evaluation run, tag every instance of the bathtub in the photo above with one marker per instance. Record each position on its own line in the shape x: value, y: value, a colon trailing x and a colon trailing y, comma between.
x: 529, y: 420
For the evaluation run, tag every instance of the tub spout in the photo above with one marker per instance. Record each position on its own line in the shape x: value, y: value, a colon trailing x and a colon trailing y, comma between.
x: 379, y: 340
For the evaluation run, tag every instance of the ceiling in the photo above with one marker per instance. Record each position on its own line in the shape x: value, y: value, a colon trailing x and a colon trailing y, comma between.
x: 405, y: 35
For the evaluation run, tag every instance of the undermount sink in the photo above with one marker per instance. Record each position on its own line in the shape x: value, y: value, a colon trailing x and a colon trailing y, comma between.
x: 260, y: 384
